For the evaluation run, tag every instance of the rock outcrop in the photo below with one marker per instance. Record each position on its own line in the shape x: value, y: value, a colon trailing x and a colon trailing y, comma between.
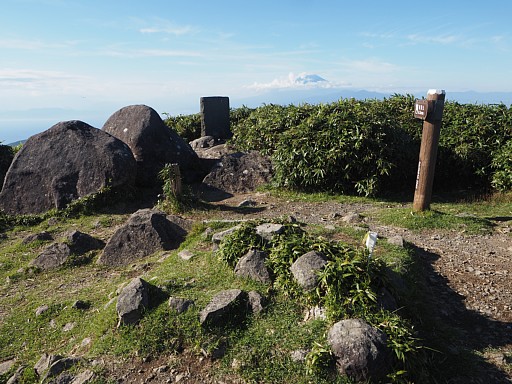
x: 240, y: 173
x: 153, y: 144
x: 64, y: 163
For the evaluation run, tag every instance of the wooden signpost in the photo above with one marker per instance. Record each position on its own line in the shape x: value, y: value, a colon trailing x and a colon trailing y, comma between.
x: 431, y: 111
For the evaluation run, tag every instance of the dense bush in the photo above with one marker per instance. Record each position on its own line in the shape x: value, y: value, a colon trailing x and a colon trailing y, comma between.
x: 372, y: 146
x: 187, y: 126
x: 502, y: 165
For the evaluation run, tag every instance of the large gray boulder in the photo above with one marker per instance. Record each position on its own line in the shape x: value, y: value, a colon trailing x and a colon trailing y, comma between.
x: 360, y: 350
x: 305, y: 269
x: 146, y: 231
x: 153, y: 144
x: 64, y: 163
x: 132, y: 301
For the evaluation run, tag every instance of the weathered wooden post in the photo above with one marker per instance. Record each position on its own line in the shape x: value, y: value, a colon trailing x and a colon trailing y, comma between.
x: 431, y: 111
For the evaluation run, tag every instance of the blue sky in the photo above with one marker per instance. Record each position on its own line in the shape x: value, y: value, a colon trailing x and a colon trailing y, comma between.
x: 70, y: 59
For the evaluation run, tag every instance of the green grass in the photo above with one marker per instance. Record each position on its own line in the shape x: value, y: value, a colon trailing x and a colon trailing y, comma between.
x: 433, y: 219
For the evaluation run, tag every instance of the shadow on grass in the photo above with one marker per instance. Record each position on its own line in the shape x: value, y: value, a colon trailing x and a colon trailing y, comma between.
x: 459, y: 335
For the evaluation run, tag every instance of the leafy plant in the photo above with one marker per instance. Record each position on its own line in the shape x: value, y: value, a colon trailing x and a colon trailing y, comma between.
x: 238, y: 243
x: 502, y: 166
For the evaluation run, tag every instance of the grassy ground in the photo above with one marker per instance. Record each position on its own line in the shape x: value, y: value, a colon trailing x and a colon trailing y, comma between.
x: 259, y: 350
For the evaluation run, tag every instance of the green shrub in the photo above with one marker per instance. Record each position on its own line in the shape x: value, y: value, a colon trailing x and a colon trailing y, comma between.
x: 187, y: 126
x: 502, y: 166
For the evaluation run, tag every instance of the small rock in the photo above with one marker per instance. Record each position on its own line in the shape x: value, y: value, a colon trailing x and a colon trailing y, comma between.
x: 186, y: 254
x: 252, y: 265
x: 305, y: 269
x: 247, y: 203
x: 256, y: 301
x: 5, y: 366
x: 396, y: 240
x: 351, y: 218
x: 227, y: 306
x: 41, y: 236
x: 299, y: 356
x: 180, y: 304
x: 68, y: 327
x: 42, y: 309
x: 132, y: 301
x: 219, y: 236
x: 81, y: 305
x: 268, y: 230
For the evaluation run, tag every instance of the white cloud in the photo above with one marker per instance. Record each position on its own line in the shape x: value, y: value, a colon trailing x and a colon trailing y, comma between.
x: 300, y: 81
x: 439, y: 39
x: 167, y: 27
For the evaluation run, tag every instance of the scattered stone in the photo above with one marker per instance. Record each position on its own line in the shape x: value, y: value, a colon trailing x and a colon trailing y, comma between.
x: 203, y: 142
x: 268, y: 230
x: 68, y: 327
x: 81, y: 305
x: 186, y: 254
x: 252, y: 265
x: 83, y: 377
x: 5, y: 366
x: 257, y: 302
x: 305, y: 269
x: 57, y: 254
x: 146, y: 231
x: 247, y: 203
x: 226, y: 307
x: 42, y: 309
x: 66, y: 162
x: 61, y: 365
x: 16, y: 377
x: 352, y: 218
x: 81, y: 243
x: 133, y: 299
x: 153, y: 144
x: 219, y: 236
x: 180, y: 304
x: 360, y: 350
x: 299, y: 356
x: 44, y: 363
x: 41, y: 236
x: 396, y: 240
